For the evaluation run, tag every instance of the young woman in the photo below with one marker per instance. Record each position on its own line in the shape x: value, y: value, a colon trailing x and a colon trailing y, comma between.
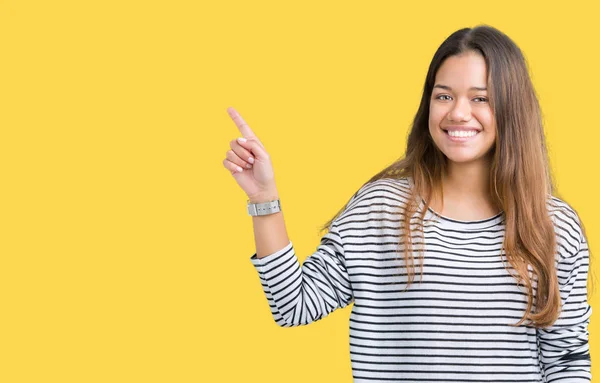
x: 461, y: 263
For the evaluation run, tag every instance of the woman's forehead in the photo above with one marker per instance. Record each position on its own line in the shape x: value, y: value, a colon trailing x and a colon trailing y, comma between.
x: 463, y: 72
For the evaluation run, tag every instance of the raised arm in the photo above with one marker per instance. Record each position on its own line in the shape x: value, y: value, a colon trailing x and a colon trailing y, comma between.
x: 296, y: 294
x: 250, y: 165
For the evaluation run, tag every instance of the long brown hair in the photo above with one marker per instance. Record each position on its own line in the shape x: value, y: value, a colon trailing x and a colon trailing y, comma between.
x: 521, y: 182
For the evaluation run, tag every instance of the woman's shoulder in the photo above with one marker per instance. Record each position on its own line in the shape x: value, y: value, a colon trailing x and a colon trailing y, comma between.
x: 377, y: 200
x: 382, y: 197
x: 563, y: 213
x: 397, y: 189
x: 567, y: 223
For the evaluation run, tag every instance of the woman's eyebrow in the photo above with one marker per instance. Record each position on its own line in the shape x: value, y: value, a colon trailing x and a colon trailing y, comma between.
x: 448, y: 88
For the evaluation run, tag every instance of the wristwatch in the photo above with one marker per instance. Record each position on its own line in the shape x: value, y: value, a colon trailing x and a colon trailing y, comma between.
x: 264, y: 208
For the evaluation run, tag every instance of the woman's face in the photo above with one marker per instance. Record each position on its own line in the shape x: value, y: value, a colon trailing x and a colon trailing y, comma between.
x: 461, y: 121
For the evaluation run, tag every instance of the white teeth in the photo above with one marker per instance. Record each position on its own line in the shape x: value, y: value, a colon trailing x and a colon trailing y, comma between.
x: 461, y: 133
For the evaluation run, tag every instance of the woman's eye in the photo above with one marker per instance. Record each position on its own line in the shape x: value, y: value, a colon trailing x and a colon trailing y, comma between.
x: 440, y: 97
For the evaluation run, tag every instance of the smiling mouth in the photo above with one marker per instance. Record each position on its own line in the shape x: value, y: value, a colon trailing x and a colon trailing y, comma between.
x: 460, y: 135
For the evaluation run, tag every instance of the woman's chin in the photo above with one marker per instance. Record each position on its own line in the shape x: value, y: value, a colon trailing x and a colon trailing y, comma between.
x: 463, y: 158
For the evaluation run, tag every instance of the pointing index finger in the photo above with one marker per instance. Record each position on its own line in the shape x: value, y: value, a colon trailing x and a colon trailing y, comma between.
x: 240, y: 123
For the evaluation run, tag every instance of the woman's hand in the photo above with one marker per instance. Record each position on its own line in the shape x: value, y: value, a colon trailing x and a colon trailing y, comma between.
x: 249, y: 163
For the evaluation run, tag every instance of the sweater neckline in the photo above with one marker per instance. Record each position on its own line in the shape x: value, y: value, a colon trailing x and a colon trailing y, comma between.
x: 451, y: 223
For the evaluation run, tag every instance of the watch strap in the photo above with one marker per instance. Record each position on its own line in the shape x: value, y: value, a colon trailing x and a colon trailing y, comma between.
x: 265, y: 208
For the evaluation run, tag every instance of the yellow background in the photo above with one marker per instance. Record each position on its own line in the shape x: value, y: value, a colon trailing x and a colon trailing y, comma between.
x: 125, y: 243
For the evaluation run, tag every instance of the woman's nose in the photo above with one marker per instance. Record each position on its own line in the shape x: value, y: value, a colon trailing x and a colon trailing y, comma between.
x: 461, y: 111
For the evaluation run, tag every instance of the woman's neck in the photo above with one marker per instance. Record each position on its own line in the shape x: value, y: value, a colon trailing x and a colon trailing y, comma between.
x: 467, y: 181
x: 466, y: 189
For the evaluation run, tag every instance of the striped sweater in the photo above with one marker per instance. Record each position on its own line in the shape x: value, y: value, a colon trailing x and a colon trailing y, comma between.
x: 454, y: 325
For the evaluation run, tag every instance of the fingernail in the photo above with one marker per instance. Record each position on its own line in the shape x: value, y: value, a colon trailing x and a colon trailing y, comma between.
x: 239, y: 169
x: 242, y: 139
x: 251, y: 160
x: 248, y: 166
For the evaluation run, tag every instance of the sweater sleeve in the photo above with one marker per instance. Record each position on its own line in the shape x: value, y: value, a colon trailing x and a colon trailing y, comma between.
x: 299, y: 295
x: 564, y: 348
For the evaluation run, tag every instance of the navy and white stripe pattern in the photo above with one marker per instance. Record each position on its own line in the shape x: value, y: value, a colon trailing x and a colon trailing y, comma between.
x: 455, y: 325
